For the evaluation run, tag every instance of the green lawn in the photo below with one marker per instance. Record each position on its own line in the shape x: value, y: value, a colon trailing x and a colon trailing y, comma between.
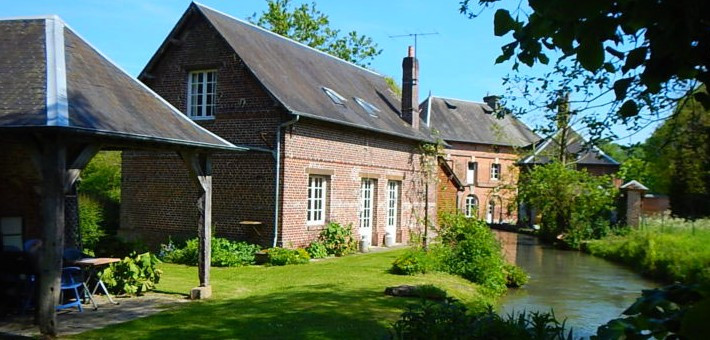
x: 334, y: 298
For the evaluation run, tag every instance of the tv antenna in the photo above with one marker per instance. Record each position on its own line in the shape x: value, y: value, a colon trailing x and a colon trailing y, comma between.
x: 415, y: 35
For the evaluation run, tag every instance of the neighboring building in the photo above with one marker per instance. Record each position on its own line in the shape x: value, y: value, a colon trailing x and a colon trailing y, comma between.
x: 482, y: 150
x: 449, y: 187
x: 346, y: 147
x: 578, y: 151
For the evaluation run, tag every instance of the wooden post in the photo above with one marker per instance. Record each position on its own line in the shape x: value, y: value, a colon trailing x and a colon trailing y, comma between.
x: 200, y: 168
x: 53, y: 169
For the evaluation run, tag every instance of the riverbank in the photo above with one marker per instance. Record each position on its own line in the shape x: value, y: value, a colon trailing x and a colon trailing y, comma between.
x: 667, y: 250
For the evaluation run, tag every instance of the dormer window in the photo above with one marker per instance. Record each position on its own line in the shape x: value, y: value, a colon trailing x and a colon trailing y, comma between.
x: 202, y: 94
x: 372, y: 110
x: 335, y: 96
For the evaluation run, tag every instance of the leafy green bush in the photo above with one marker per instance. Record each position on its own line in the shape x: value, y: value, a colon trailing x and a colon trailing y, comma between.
x: 515, y: 276
x: 135, y: 274
x: 414, y: 261
x: 90, y: 220
x: 430, y: 292
x: 672, y: 312
x: 225, y: 253
x: 284, y: 256
x: 474, y: 253
x: 450, y: 319
x: 317, y: 250
x: 338, y: 239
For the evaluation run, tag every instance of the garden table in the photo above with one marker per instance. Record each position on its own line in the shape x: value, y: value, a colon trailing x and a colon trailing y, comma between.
x: 93, y: 264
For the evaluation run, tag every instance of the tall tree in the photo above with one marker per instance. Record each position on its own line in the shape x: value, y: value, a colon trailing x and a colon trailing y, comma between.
x: 647, y: 53
x: 308, y: 25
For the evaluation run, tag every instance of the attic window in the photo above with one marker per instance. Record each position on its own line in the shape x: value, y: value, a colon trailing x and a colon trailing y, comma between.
x: 334, y: 96
x: 372, y: 110
x: 449, y: 105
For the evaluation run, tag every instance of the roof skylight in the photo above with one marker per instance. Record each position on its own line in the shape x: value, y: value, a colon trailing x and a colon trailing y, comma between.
x: 334, y: 96
x: 372, y: 110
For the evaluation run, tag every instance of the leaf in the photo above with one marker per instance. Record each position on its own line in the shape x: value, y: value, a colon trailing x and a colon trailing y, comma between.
x: 503, y: 22
x: 628, y: 109
x: 614, y: 52
x: 634, y: 59
x: 620, y: 87
x: 590, y: 55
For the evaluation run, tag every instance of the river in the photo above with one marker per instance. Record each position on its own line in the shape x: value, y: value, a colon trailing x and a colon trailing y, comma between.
x: 586, y: 290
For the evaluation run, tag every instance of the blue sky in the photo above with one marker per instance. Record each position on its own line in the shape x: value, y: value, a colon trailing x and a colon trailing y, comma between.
x: 457, y: 63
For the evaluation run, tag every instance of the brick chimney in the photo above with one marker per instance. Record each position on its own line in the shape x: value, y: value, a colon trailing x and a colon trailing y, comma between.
x: 493, y: 102
x: 410, y: 89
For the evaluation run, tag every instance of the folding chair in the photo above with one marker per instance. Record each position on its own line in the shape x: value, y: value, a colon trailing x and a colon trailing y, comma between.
x: 71, y: 283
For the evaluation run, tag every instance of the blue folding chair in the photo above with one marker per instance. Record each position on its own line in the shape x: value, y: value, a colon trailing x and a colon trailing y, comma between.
x: 71, y: 283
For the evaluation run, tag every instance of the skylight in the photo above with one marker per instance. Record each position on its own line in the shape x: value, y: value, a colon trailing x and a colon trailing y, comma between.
x: 334, y: 96
x: 372, y: 110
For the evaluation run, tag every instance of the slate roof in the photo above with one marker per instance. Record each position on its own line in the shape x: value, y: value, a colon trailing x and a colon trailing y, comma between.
x: 466, y: 121
x: 576, y: 146
x: 52, y: 78
x: 296, y: 75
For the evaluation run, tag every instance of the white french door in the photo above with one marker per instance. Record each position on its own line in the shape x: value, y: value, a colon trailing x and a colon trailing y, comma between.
x: 392, y: 206
x: 366, y: 203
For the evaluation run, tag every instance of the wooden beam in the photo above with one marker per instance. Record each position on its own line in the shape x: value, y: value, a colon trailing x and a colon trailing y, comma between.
x: 200, y: 169
x: 76, y: 165
x: 53, y: 169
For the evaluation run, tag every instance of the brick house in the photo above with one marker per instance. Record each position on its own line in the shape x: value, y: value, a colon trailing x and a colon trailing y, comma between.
x: 482, y: 151
x: 330, y: 141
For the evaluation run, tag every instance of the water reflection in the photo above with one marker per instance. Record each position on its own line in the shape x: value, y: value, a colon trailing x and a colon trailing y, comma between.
x: 587, y: 290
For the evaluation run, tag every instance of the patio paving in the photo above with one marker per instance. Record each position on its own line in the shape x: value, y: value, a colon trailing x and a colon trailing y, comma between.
x: 72, y: 322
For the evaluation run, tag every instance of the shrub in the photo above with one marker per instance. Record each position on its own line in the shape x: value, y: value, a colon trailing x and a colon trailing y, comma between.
x: 114, y: 246
x: 338, y: 239
x: 90, y: 220
x: 225, y: 253
x: 317, y: 250
x: 450, y: 319
x: 474, y: 253
x: 283, y: 256
x: 430, y: 292
x: 414, y: 261
x: 135, y: 274
x: 515, y: 276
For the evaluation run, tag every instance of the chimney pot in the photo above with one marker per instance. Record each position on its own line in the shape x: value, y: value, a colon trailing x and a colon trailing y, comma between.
x: 492, y: 101
x: 410, y: 89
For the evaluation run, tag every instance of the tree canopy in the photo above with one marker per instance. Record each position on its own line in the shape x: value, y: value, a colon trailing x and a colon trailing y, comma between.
x: 647, y: 53
x: 306, y: 24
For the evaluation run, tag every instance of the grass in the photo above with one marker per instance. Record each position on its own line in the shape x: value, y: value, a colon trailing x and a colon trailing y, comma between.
x: 334, y: 298
x: 665, y: 249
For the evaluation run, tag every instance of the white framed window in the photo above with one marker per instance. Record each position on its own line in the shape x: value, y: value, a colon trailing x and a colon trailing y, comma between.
x: 202, y: 94
x: 471, y: 208
x: 317, y: 190
x: 392, y: 203
x: 367, y: 190
x: 11, y: 233
x: 471, y: 173
x: 490, y: 212
x: 495, y: 171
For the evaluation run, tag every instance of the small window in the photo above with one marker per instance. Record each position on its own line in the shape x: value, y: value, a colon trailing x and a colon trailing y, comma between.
x: 317, y: 186
x: 471, y: 173
x: 372, y: 110
x: 471, y: 206
x: 11, y: 230
x: 334, y: 96
x: 202, y: 94
x: 495, y: 171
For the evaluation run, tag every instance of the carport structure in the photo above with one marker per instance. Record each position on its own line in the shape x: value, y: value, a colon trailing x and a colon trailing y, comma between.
x: 61, y: 101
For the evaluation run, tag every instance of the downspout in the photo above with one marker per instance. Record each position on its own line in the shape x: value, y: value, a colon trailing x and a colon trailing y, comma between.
x: 277, y: 157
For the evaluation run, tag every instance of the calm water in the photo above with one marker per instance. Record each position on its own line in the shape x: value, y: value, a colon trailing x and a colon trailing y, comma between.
x: 586, y: 290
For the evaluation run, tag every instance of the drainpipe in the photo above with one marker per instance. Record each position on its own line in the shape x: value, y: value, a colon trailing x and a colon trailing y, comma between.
x: 277, y: 157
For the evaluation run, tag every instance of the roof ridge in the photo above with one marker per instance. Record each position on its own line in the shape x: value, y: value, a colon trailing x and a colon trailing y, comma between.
x: 285, y: 38
x: 461, y: 100
x: 34, y: 17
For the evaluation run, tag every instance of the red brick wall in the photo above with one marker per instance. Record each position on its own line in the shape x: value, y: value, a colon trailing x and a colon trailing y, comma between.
x: 350, y: 155
x: 447, y: 193
x: 19, y: 182
x: 484, y: 188
x: 158, y: 198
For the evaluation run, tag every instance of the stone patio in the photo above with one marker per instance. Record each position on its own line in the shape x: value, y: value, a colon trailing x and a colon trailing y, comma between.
x: 70, y: 321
